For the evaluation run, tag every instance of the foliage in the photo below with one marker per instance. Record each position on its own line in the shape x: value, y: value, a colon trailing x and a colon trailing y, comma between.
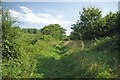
x: 30, y: 30
x: 91, y: 25
x: 9, y: 34
x: 55, y: 30
x: 88, y: 22
x: 110, y: 21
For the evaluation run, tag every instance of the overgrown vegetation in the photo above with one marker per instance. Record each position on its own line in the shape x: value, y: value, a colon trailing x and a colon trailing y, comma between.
x: 91, y: 52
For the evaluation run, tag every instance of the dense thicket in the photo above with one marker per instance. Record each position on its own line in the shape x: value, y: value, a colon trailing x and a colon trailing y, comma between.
x: 9, y: 34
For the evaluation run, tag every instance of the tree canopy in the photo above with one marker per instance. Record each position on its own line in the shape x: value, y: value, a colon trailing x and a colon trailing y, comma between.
x: 92, y: 25
x: 54, y: 30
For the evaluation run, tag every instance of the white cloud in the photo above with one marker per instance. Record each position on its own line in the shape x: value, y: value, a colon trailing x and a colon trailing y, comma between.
x: 45, y: 15
x: 40, y: 18
x: 25, y: 9
x: 15, y: 13
x: 44, y: 18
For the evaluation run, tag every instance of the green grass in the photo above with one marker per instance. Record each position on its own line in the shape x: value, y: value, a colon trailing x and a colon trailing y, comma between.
x: 87, y: 60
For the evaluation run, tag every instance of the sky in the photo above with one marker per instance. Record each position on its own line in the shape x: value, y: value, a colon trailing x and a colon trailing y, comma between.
x: 60, y: 0
x: 40, y: 14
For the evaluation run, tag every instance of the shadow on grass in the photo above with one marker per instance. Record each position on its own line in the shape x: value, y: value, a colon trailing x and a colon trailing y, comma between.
x: 75, y: 65
x: 81, y: 65
x: 45, y: 66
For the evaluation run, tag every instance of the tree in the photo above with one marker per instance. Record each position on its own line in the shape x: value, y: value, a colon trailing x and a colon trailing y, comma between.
x: 54, y: 30
x: 87, y: 23
x: 30, y: 30
x: 109, y: 28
